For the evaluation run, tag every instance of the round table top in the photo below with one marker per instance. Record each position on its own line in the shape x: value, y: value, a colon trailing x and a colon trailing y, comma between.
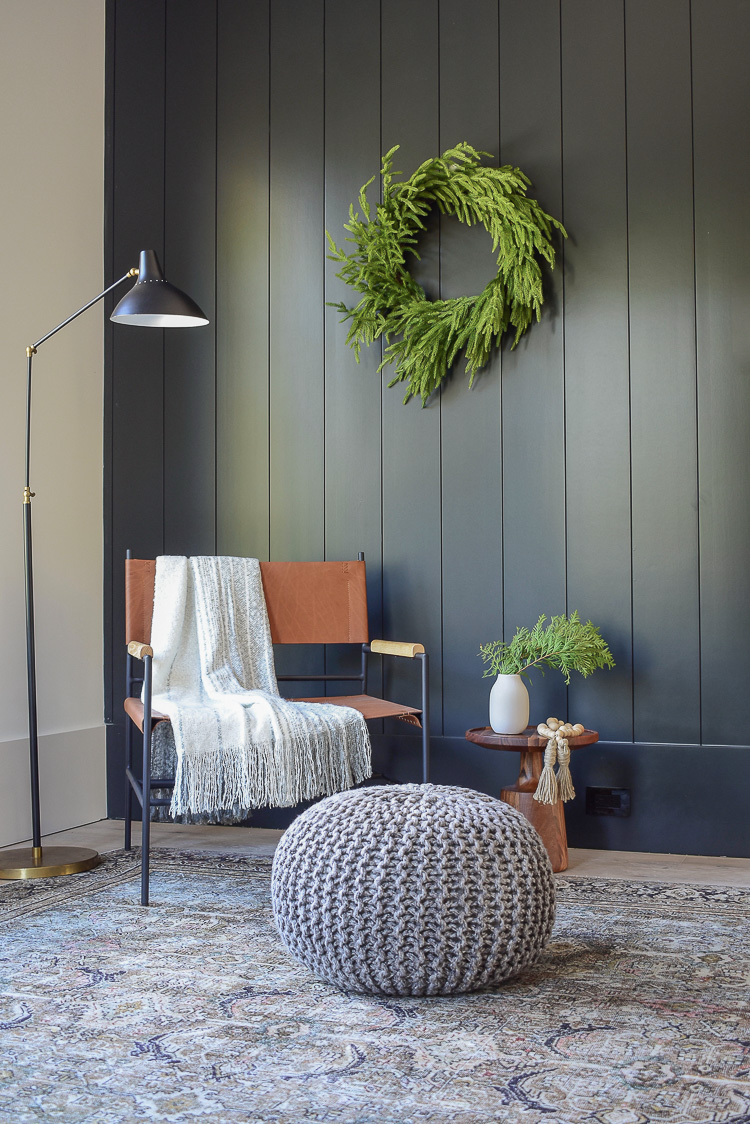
x: 529, y: 739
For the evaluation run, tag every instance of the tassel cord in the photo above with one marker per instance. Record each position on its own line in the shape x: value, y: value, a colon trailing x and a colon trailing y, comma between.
x: 546, y: 791
x: 564, y: 779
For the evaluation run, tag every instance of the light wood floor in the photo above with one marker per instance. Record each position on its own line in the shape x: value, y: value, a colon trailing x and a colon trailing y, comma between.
x: 106, y: 835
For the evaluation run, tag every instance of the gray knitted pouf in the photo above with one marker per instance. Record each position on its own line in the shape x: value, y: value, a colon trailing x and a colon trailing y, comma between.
x: 413, y: 890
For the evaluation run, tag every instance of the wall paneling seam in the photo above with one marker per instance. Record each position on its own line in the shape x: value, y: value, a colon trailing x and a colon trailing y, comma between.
x: 629, y: 363
x: 695, y: 347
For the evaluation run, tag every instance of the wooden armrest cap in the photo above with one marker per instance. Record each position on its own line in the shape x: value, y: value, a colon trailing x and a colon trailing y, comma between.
x: 140, y: 651
x: 396, y: 648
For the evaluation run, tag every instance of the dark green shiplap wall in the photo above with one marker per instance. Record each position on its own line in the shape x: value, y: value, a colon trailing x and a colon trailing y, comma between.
x: 603, y: 465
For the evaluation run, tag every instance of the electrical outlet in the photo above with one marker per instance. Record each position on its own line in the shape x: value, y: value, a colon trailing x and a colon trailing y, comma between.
x: 607, y: 801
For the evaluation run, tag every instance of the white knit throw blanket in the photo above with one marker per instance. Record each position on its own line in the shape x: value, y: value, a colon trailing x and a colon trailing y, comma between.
x: 239, y: 744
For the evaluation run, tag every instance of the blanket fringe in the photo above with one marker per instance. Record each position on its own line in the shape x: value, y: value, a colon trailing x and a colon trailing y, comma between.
x: 240, y: 778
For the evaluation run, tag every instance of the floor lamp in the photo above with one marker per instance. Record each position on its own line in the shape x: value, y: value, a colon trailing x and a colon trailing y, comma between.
x: 151, y: 303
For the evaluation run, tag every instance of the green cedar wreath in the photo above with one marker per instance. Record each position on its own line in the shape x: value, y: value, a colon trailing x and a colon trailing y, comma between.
x: 424, y: 337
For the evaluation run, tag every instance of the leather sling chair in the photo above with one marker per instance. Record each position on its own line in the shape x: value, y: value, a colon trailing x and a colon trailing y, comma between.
x: 308, y: 603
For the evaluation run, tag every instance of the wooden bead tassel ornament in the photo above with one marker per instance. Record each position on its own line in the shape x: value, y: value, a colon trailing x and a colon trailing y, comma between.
x: 552, y: 788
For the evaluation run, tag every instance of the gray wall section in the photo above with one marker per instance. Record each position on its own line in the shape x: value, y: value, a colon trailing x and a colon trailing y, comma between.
x: 134, y: 381
x: 661, y: 262
x: 472, y: 539
x: 533, y: 382
x: 190, y: 205
x: 352, y: 448
x: 597, y: 386
x: 411, y: 507
x: 601, y: 465
x: 721, y: 101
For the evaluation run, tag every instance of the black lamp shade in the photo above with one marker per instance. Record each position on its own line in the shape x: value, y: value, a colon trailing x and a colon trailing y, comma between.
x: 154, y: 303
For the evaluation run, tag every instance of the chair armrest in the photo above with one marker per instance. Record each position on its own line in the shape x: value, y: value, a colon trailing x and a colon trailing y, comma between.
x: 140, y: 651
x: 396, y: 648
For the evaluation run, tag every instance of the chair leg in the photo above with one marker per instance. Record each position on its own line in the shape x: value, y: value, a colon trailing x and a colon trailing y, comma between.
x: 128, y: 786
x: 145, y: 846
x: 128, y: 818
x: 146, y: 783
x: 425, y: 717
x: 146, y: 817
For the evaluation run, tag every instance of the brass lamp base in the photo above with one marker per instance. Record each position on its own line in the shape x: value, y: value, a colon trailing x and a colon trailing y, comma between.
x: 46, y: 862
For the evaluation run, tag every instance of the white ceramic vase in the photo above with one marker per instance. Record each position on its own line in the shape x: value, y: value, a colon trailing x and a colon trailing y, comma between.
x: 509, y: 705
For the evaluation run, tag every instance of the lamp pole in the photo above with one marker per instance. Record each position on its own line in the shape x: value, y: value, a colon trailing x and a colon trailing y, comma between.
x: 160, y: 306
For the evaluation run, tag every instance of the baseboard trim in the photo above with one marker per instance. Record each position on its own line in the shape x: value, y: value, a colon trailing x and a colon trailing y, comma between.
x: 72, y: 783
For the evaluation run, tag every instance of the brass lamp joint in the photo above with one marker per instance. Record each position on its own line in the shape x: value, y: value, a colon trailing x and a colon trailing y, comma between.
x: 133, y: 272
x: 30, y: 351
x: 27, y: 494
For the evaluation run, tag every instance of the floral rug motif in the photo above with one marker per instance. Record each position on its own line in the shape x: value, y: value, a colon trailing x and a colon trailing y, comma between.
x: 191, y: 1010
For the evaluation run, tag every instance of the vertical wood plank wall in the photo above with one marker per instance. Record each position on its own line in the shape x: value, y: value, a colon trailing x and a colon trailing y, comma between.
x: 602, y: 465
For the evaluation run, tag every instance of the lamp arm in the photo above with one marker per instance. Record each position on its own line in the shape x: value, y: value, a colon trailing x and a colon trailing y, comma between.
x: 131, y: 273
x: 31, y: 351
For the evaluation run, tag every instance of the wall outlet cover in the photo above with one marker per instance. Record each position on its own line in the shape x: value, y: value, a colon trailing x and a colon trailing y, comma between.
x: 607, y: 801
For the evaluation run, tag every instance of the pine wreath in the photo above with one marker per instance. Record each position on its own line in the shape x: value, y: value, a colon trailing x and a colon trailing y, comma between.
x: 424, y: 337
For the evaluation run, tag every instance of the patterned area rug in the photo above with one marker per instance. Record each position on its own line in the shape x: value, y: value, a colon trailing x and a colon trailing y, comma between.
x: 192, y: 1011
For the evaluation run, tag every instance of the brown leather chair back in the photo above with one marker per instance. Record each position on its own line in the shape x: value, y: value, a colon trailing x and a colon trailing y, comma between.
x: 140, y: 575
x: 308, y: 602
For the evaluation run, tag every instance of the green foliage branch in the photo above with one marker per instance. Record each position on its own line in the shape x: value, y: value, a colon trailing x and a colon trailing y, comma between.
x: 424, y: 337
x: 566, y: 644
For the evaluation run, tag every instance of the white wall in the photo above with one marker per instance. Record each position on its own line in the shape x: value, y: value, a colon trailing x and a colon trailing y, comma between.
x: 51, y: 222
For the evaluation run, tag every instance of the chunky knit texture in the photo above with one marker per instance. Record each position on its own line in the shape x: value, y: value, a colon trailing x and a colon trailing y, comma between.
x: 413, y: 890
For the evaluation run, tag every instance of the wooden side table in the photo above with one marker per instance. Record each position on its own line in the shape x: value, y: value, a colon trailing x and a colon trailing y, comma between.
x: 548, y: 819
